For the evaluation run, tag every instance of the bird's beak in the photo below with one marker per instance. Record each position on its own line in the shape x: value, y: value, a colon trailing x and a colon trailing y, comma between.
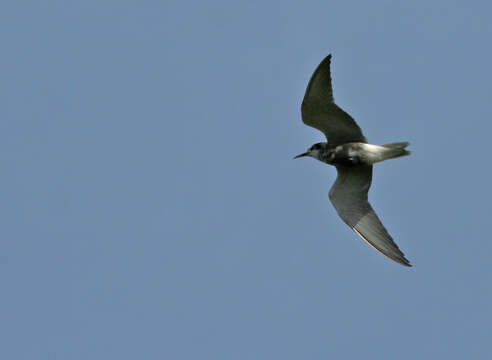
x: 301, y: 155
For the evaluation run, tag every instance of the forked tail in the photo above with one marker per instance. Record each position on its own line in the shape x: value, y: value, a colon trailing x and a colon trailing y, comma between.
x: 394, y: 150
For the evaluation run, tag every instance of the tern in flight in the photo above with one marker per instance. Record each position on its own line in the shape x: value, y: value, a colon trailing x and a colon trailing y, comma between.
x: 347, y: 149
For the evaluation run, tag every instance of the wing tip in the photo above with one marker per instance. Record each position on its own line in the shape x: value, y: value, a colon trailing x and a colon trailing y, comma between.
x: 327, y: 59
x: 399, y: 258
x: 403, y: 261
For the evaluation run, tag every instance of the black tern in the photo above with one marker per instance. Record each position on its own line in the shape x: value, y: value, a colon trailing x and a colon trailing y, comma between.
x: 347, y: 149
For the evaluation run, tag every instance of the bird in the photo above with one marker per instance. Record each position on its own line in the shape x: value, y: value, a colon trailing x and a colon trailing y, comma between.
x: 348, y: 150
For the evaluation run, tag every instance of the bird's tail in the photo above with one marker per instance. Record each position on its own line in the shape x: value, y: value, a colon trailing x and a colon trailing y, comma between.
x: 394, y: 150
x: 377, y: 153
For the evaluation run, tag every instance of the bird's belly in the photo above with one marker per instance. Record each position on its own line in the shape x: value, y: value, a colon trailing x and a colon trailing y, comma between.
x: 346, y: 155
x: 352, y: 160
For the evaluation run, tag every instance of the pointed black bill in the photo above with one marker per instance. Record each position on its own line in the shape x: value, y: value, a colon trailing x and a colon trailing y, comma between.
x: 301, y: 155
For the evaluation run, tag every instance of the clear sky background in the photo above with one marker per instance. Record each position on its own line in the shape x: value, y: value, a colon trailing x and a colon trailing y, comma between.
x: 151, y: 208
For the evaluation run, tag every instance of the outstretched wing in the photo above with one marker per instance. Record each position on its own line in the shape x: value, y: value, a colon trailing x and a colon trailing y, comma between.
x: 349, y: 197
x: 319, y: 110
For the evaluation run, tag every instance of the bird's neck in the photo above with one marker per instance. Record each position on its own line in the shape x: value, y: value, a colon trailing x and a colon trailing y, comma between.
x: 326, y: 154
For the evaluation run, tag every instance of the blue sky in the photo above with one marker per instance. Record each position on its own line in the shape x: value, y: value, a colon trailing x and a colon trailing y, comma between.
x: 151, y: 207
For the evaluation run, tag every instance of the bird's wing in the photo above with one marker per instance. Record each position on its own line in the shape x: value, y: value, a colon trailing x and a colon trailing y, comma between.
x: 349, y: 197
x: 320, y: 111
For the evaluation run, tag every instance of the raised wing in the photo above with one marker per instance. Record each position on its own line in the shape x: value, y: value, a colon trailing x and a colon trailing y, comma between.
x: 320, y: 111
x: 349, y: 197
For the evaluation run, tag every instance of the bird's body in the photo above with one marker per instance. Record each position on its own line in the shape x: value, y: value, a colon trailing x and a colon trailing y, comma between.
x: 351, y: 154
x: 347, y: 149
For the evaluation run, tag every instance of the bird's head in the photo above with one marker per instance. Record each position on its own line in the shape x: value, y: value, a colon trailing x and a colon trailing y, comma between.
x: 314, y: 151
